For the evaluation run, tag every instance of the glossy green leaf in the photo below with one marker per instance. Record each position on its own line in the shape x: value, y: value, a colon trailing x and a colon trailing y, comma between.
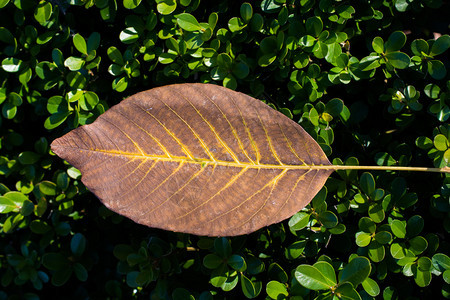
x: 378, y: 44
x: 398, y: 228
x: 80, y: 43
x: 311, y: 278
x: 78, y: 244
x: 188, y: 22
x: 347, y: 291
x: 436, y: 69
x: 166, y: 7
x: 246, y: 11
x: 276, y: 290
x: 395, y: 41
x: 131, y: 4
x: 441, y: 45
x: 356, y: 271
x: 74, y: 63
x: 12, y: 64
x: 398, y: 60
x: 371, y: 287
x: 363, y: 238
x: 129, y: 35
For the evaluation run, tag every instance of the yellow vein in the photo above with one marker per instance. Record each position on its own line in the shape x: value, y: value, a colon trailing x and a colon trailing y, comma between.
x: 149, y: 134
x: 128, y: 189
x: 247, y: 129
x: 272, y: 181
x: 183, y: 147
x: 192, y: 130
x: 182, y: 159
x: 124, y: 133
x: 304, y: 143
x: 289, y: 143
x: 229, y: 183
x: 300, y: 178
x: 236, y: 136
x: 159, y: 185
x: 179, y: 189
x: 213, y: 130
x: 265, y: 201
x: 269, y: 140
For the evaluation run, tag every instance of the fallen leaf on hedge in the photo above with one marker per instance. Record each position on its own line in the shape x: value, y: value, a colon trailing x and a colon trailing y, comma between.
x: 197, y: 158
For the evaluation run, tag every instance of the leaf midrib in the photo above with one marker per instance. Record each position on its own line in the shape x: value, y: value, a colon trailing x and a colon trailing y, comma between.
x: 201, y: 161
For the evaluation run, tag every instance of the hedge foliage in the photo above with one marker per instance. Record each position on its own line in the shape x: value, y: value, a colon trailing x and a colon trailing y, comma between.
x: 367, y: 79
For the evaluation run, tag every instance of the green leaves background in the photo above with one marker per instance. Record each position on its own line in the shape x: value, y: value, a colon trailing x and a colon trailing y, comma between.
x: 366, y: 80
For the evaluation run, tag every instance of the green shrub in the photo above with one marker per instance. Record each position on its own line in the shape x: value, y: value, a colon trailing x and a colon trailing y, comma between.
x: 366, y: 79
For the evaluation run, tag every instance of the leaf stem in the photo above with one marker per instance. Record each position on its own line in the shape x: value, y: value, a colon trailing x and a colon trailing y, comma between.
x: 389, y: 168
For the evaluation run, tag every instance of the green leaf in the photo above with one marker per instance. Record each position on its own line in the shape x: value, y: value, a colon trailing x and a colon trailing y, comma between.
x: 441, y: 262
x: 236, y: 24
x: 222, y: 247
x: 55, y: 120
x: 188, y: 22
x: 237, y: 262
x: 371, y: 287
x: 39, y: 226
x: 74, y: 63
x: 398, y: 228
x: 398, y: 60
x: 419, y: 47
x: 212, y: 261
x: 80, y: 271
x: 129, y: 35
x: 398, y: 251
x: 131, y: 4
x: 363, y: 238
x: 327, y: 270
x: 28, y: 157
x: 246, y: 11
x: 378, y: 44
x: 311, y: 278
x: 395, y: 41
x: 78, y: 244
x: 248, y: 288
x: 61, y: 276
x: 421, y: 277
x: 440, y: 142
x: 166, y: 7
x: 47, y: 188
x: 276, y: 290
x: 436, y: 69
x: 120, y: 84
x: 80, y: 43
x: 356, y: 271
x: 55, y: 261
x: 376, y: 251
x: 418, y: 244
x: 3, y: 3
x: 328, y: 219
x: 347, y: 291
x: 299, y: 221
x: 367, y: 183
x: 367, y: 225
x: 43, y: 12
x: 11, y: 64
x: 88, y: 101
x: 7, y: 205
x: 314, y: 26
x: 440, y: 45
x: 115, y: 55
x: 424, y: 142
x: 383, y: 237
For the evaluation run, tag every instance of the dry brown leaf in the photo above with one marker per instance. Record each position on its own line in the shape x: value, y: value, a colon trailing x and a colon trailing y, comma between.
x: 197, y: 158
